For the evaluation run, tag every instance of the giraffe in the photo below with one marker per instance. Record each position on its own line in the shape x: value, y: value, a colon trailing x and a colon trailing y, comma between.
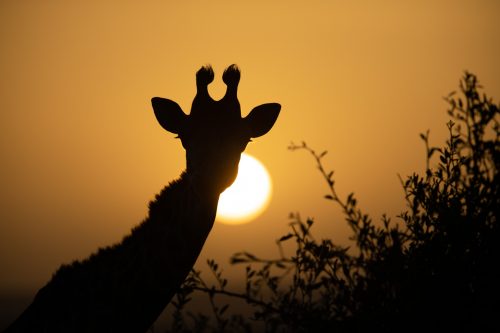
x: 125, y: 287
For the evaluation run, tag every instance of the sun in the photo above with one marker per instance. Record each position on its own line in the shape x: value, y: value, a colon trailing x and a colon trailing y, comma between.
x: 248, y: 196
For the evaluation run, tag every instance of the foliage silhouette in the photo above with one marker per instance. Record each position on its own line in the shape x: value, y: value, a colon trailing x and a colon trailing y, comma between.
x: 434, y: 268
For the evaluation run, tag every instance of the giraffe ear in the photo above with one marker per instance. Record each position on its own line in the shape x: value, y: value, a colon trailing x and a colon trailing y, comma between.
x: 169, y: 114
x: 262, y: 118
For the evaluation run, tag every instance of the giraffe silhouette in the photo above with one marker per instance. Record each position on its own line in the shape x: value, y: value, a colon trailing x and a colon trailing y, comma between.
x: 125, y: 287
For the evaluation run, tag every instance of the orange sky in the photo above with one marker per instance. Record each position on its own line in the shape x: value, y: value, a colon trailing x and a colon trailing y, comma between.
x: 82, y: 153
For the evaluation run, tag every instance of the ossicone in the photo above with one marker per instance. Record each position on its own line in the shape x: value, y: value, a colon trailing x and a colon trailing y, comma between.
x: 231, y: 78
x: 204, y: 77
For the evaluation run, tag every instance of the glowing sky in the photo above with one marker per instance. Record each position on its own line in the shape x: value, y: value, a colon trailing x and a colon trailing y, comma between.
x: 81, y: 152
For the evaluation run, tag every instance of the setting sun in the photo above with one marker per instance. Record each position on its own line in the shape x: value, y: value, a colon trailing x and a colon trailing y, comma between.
x: 249, y: 194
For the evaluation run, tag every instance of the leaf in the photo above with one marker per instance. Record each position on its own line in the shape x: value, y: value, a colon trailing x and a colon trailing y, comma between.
x: 284, y: 238
x: 279, y: 264
x: 237, y: 260
x: 249, y: 256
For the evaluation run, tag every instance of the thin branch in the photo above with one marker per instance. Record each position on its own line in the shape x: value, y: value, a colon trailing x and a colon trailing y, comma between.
x: 245, y: 297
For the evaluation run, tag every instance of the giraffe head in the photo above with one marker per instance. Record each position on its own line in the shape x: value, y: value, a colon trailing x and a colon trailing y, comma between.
x: 214, y: 134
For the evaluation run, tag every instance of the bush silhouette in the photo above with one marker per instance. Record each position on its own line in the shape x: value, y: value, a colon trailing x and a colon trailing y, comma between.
x: 435, y: 267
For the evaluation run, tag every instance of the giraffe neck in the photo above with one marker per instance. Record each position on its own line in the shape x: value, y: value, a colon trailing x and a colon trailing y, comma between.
x: 125, y: 287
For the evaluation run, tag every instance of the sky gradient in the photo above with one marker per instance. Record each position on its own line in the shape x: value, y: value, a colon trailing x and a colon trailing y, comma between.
x: 82, y: 153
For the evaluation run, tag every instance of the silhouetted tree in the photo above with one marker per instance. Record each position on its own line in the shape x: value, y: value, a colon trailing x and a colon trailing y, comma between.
x: 436, y: 267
